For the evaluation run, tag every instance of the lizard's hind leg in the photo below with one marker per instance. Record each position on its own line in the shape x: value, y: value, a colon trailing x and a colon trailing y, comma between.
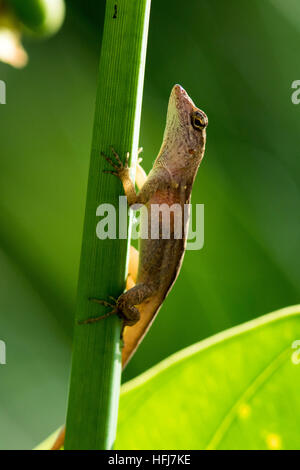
x: 114, y: 311
x: 126, y: 303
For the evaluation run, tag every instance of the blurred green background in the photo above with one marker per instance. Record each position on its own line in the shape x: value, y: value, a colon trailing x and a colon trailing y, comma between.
x: 237, y: 60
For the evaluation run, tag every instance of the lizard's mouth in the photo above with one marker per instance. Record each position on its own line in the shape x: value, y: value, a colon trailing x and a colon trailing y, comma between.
x: 183, y: 123
x: 182, y: 98
x: 181, y: 106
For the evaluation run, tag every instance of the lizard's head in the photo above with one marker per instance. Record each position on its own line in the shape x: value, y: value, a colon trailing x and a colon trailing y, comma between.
x: 185, y: 131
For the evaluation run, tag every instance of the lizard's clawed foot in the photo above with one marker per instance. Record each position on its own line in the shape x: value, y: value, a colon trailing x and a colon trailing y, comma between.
x: 122, y: 171
x: 119, y: 166
x: 129, y: 316
x: 114, y: 311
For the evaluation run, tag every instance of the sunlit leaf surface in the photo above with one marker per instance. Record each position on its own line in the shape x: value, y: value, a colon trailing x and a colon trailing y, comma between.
x: 237, y: 390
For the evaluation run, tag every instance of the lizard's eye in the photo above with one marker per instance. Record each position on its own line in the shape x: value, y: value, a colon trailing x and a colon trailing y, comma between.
x: 199, y: 120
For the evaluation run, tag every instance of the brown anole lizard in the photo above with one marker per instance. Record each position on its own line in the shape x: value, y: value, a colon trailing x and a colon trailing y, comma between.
x: 169, y: 182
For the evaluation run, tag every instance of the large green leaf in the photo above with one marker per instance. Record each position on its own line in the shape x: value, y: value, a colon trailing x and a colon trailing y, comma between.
x: 236, y: 390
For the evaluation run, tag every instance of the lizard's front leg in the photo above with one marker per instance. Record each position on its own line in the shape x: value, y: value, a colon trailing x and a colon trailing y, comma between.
x: 121, y: 170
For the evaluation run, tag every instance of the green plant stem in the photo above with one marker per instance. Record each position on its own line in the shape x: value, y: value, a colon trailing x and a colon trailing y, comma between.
x: 96, y: 361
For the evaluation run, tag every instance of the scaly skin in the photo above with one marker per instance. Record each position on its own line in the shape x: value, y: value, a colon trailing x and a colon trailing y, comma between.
x: 169, y: 182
